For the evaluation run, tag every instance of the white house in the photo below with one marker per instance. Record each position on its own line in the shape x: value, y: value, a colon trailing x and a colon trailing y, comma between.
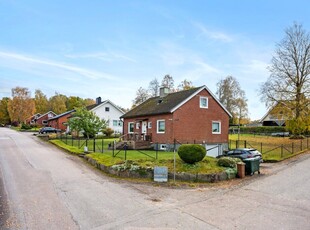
x: 110, y: 112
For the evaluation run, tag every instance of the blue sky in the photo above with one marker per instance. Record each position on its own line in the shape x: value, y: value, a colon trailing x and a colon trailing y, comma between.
x: 111, y: 48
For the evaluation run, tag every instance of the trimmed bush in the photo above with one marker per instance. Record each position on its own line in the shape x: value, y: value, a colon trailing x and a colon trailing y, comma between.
x: 191, y: 153
x: 228, y: 162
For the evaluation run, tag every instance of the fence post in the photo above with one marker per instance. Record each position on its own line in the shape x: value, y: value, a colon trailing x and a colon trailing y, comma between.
x: 125, y: 151
x: 94, y: 147
x: 71, y: 140
x: 261, y: 147
x: 281, y: 151
x: 307, y: 142
x: 66, y: 139
x: 113, y: 148
x: 244, y: 144
x: 157, y: 151
x: 102, y: 144
x: 292, y: 147
x: 300, y: 144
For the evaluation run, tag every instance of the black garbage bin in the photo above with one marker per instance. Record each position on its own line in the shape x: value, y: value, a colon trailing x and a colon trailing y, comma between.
x: 251, y: 165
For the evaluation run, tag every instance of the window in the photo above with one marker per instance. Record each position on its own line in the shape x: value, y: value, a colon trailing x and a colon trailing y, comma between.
x: 107, y: 109
x: 115, y: 122
x: 216, y: 127
x: 44, y: 122
x: 149, y: 124
x: 138, y: 125
x: 204, y: 102
x: 130, y: 127
x: 161, y: 126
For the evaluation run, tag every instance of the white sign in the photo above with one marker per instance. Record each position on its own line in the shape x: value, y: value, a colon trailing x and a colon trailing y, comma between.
x: 160, y: 174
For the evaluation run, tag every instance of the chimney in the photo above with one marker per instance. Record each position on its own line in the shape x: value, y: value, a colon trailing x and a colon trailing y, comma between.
x: 163, y: 91
x: 98, y: 100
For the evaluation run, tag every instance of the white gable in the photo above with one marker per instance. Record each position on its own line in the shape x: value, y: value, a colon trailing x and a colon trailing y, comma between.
x: 108, y: 111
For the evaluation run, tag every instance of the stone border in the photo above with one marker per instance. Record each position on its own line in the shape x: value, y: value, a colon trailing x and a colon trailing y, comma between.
x: 149, y: 173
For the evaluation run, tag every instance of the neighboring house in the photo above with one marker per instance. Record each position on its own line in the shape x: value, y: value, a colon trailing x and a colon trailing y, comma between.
x: 110, y: 112
x: 60, y: 121
x: 274, y: 117
x: 41, y: 119
x: 189, y: 116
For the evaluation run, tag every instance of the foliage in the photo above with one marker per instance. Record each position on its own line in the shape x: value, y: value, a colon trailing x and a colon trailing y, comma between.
x: 229, y: 162
x: 41, y: 102
x: 86, y: 121
x: 21, y: 106
x: 26, y: 126
x: 191, y: 153
x: 289, y: 80
x: 58, y: 103
x: 4, y: 113
x: 233, y: 98
x: 185, y: 85
x: 108, y: 131
x: 259, y: 129
x: 74, y: 102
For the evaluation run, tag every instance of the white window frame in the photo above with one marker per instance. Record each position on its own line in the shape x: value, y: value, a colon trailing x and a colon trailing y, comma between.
x: 115, y: 123
x: 157, y: 128
x: 220, y: 128
x: 138, y: 125
x: 200, y: 104
x: 133, y: 126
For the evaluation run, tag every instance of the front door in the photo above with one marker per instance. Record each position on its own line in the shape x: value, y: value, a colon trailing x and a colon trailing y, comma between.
x: 144, y: 127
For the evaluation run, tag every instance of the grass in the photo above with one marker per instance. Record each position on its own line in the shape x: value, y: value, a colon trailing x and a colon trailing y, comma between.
x: 273, y: 149
x: 207, y: 166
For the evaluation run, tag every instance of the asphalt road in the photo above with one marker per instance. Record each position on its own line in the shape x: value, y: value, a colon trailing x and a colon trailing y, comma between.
x: 45, y: 188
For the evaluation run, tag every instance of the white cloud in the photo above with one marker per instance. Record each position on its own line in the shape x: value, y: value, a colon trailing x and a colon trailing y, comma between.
x: 109, y: 56
x: 215, y: 35
x: 42, y: 67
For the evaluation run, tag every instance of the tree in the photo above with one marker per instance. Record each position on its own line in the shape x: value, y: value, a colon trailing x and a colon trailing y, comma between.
x: 21, y: 106
x: 57, y: 103
x: 41, y: 102
x: 168, y: 82
x: 86, y: 121
x: 154, y: 87
x: 4, y: 113
x: 233, y: 98
x: 74, y: 102
x: 141, y: 96
x: 289, y: 81
x: 185, y: 85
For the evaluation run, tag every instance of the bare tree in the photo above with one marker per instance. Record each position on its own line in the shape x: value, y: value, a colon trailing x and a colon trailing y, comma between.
x: 233, y: 98
x: 168, y: 82
x: 289, y: 81
x: 141, y: 96
x: 154, y: 87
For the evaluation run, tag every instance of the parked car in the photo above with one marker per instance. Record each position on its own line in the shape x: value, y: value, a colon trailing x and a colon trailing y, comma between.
x: 243, y: 153
x: 49, y: 130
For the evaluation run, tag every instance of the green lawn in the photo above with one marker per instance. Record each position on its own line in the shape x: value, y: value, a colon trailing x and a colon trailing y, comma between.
x: 208, y: 165
x: 272, y: 148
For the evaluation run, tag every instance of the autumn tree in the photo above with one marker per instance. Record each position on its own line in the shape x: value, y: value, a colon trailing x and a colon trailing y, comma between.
x: 168, y: 82
x: 154, y: 87
x: 233, y: 98
x: 4, y: 113
x: 74, y: 102
x: 289, y: 80
x: 21, y: 106
x: 185, y: 85
x: 57, y: 103
x: 41, y: 102
x: 88, y: 101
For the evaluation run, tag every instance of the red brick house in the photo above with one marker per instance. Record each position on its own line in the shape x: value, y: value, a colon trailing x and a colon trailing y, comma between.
x: 189, y: 116
x: 40, y: 119
x: 60, y: 121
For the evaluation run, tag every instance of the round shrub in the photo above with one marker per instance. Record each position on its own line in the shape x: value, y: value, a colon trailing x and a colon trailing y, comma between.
x: 228, y: 162
x: 191, y: 153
